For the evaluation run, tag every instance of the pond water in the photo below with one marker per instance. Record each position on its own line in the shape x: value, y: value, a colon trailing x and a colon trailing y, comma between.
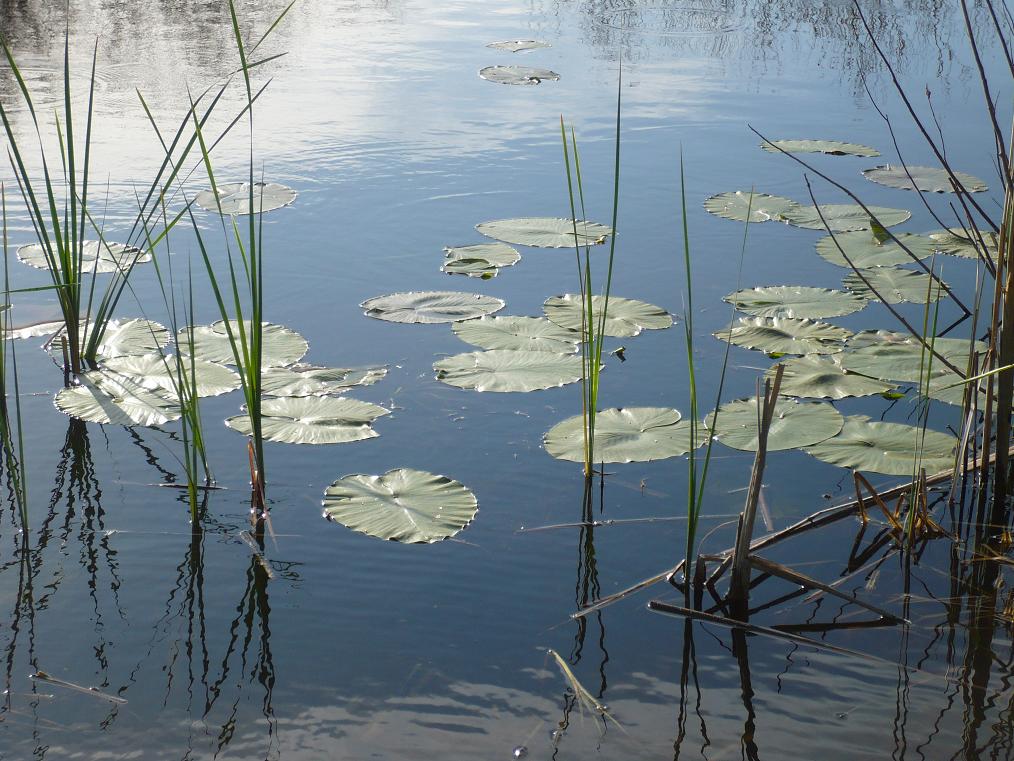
x: 335, y: 645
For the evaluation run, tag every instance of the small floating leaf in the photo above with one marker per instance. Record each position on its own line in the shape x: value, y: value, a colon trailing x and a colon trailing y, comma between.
x: 480, y: 268
x: 956, y: 242
x: 497, y: 254
x: 517, y: 46
x: 310, y: 380
x: 865, y: 251
x: 761, y: 206
x: 505, y: 370
x: 107, y: 398
x: 793, y: 425
x: 99, y: 257
x: 156, y: 372
x: 817, y: 377
x: 895, y: 285
x: 279, y: 345
x: 234, y: 197
x: 402, y: 505
x: 785, y: 335
x: 47, y: 328
x: 313, y: 420
x: 889, y: 448
x: 795, y: 301
x: 631, y: 434
x: 518, y: 334
x: 927, y: 179
x: 624, y: 317
x: 431, y: 306
x: 830, y: 147
x: 843, y: 217
x: 517, y: 75
x: 545, y: 232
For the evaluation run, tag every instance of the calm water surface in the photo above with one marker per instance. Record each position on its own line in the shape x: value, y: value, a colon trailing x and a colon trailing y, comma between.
x: 340, y: 646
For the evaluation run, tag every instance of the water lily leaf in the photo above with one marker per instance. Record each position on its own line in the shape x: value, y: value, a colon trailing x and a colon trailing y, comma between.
x: 48, y: 328
x: 864, y: 250
x: 234, y: 197
x: 123, y: 338
x: 904, y: 361
x: 761, y: 206
x: 517, y: 75
x: 629, y: 434
x: 310, y: 380
x: 517, y: 46
x: 505, y: 370
x: 785, y: 335
x: 156, y: 372
x: 957, y: 347
x: 794, y: 424
x: 795, y: 301
x: 112, y: 399
x: 431, y: 306
x: 822, y: 378
x: 313, y: 420
x: 624, y: 317
x: 842, y: 218
x: 830, y: 147
x: 96, y: 256
x: 890, y: 448
x: 279, y: 345
x: 956, y: 242
x: 518, y: 334
x: 927, y: 179
x: 545, y: 232
x: 402, y: 505
x: 498, y: 254
x: 895, y: 285
x: 479, y: 268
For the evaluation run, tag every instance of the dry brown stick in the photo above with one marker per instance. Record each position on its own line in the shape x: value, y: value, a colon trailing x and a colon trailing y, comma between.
x: 604, y: 601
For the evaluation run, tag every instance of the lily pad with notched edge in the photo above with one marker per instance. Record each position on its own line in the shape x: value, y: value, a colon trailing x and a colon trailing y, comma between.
x: 842, y: 218
x: 279, y: 345
x: 497, y: 254
x: 630, y: 434
x: 822, y: 378
x: 785, y: 335
x: 761, y: 206
x: 431, y: 306
x: 99, y: 257
x: 518, y: 46
x: 234, y: 197
x: 908, y: 362
x: 111, y: 399
x: 957, y: 242
x: 156, y: 372
x: 927, y: 179
x: 122, y: 338
x: 480, y: 268
x: 503, y: 370
x: 517, y: 75
x: 864, y: 250
x: 947, y: 346
x: 797, y: 301
x: 794, y: 424
x: 545, y: 232
x: 313, y: 420
x: 310, y: 380
x: 889, y: 448
x: 48, y: 328
x: 894, y: 285
x: 624, y: 317
x: 402, y: 505
x: 518, y: 334
x: 830, y: 147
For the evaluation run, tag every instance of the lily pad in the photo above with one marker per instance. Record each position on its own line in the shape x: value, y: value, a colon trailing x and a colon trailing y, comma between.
x: 518, y: 46
x: 894, y: 285
x: 431, y: 306
x: 822, y: 378
x: 402, y: 505
x: 156, y: 372
x: 48, y: 328
x: 830, y: 147
x: 761, y: 206
x: 111, y: 399
x: 624, y: 317
x: 517, y: 75
x: 497, y: 254
x: 785, y: 335
x: 864, y: 250
x: 479, y: 268
x: 310, y: 380
x: 956, y: 242
x: 946, y: 346
x: 234, y: 197
x: 96, y: 257
x: 279, y: 345
x: 908, y: 362
x: 794, y: 424
x: 505, y: 370
x: 545, y: 232
x: 927, y: 179
x: 123, y: 338
x: 890, y: 448
x: 795, y: 301
x: 313, y: 420
x: 518, y: 334
x: 630, y: 434
x: 842, y: 218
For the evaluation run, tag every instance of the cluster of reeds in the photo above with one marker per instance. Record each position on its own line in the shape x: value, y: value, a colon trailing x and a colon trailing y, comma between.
x: 11, y: 430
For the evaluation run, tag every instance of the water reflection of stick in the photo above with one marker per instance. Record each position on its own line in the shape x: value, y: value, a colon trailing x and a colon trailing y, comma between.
x: 44, y: 677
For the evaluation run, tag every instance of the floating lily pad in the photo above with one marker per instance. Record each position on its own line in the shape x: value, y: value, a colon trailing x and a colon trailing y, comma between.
x: 96, y: 257
x: 795, y: 301
x: 785, y: 335
x: 518, y: 46
x: 894, y: 285
x: 48, y: 328
x: 830, y: 147
x: 946, y: 346
x: 505, y: 370
x: 545, y: 232
x: 517, y: 75
x: 313, y: 420
x: 864, y: 250
x: 234, y: 197
x: 822, y: 378
x: 402, y: 505
x: 794, y: 424
x: 631, y: 434
x: 122, y: 338
x: 890, y: 448
x: 956, y: 242
x: 279, y: 345
x: 761, y: 206
x: 843, y: 217
x: 927, y: 179
x: 431, y: 306
x: 480, y: 268
x: 497, y: 254
x: 108, y: 398
x: 518, y: 334
x: 156, y: 372
x: 310, y: 380
x: 909, y: 362
x: 624, y: 317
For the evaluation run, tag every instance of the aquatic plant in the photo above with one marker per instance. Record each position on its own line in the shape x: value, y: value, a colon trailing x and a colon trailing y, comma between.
x: 11, y: 429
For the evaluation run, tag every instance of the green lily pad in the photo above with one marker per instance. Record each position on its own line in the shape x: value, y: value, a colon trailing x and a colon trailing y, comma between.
x: 431, y: 306
x: 279, y: 345
x: 123, y: 338
x: 830, y: 147
x: 234, y: 197
x: 894, y: 285
x: 480, y: 268
x: 518, y: 46
x: 818, y: 377
x: 956, y: 242
x: 310, y: 380
x: 794, y: 424
x: 864, y: 250
x: 157, y: 372
x: 517, y: 75
x: 842, y: 218
x: 890, y: 448
x: 908, y: 362
x: 545, y: 232
x: 630, y: 434
x: 795, y: 301
x: 47, y: 328
x: 518, y: 334
x: 111, y: 399
x: 761, y: 206
x: 504, y: 370
x: 313, y: 420
x: 498, y: 254
x: 785, y: 335
x: 927, y: 179
x: 946, y: 346
x: 402, y: 505
x: 97, y: 257
x: 624, y: 317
